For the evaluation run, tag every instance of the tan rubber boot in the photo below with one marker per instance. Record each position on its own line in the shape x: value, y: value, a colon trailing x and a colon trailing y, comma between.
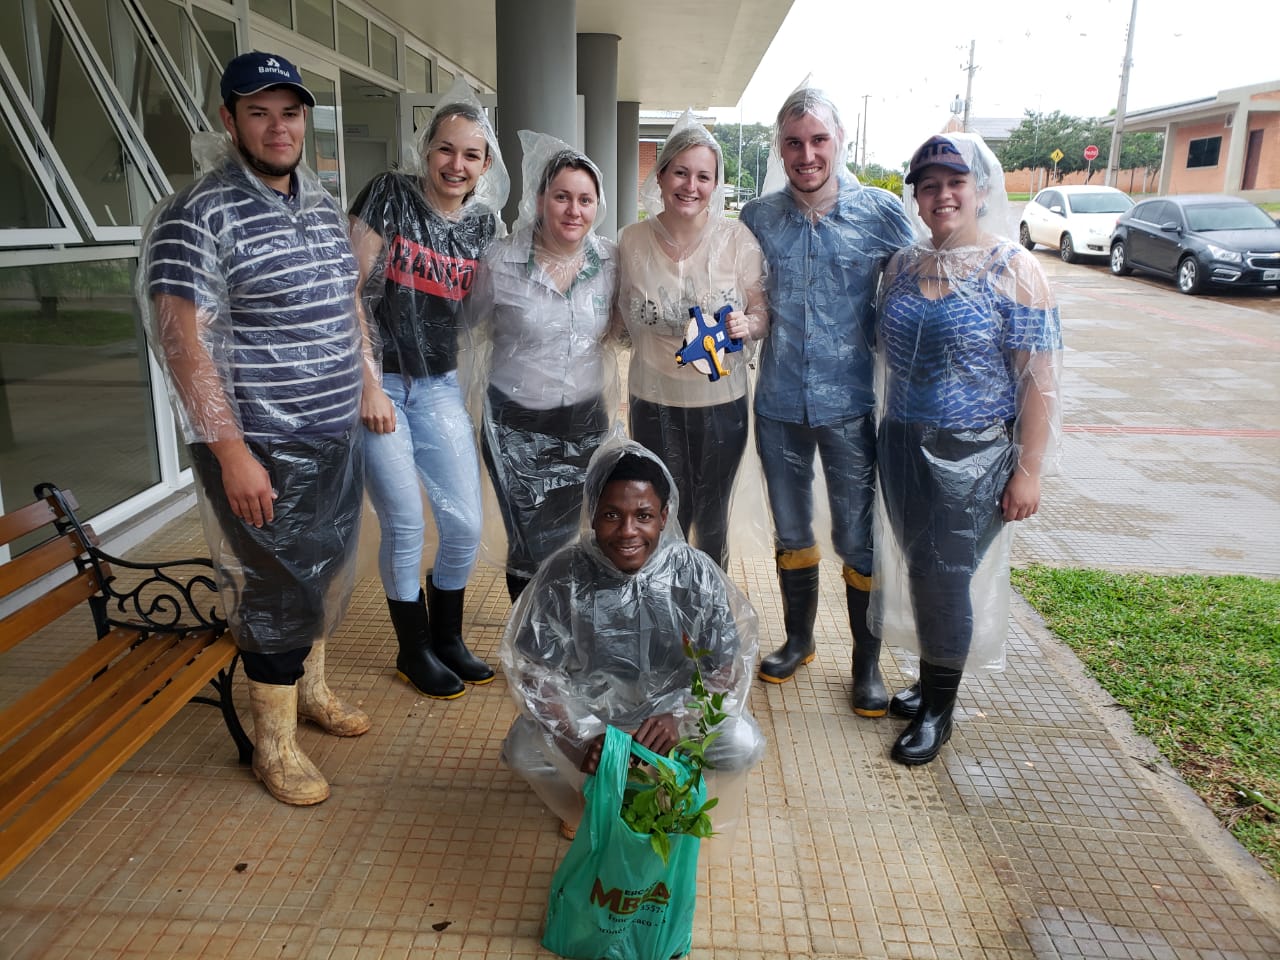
x: 320, y: 705
x: 278, y: 761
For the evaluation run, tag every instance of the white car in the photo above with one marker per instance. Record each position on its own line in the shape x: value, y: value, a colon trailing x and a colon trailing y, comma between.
x: 1077, y: 220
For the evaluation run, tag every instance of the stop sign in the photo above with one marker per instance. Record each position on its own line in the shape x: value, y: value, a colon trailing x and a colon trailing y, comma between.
x: 1091, y: 152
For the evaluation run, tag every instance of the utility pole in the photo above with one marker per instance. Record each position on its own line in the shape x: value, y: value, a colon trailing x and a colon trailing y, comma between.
x: 865, y: 98
x: 1117, y: 128
x: 968, y: 90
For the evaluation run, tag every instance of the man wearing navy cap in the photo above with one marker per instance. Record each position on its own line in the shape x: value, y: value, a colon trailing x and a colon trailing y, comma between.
x: 248, y: 283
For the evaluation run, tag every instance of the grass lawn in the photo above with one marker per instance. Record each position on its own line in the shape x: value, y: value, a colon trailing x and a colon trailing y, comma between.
x: 1195, y: 661
x: 80, y: 328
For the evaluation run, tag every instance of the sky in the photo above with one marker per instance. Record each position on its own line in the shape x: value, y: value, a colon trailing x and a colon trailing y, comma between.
x: 1029, y: 54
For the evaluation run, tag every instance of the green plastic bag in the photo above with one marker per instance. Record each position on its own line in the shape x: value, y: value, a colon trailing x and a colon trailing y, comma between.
x: 612, y: 897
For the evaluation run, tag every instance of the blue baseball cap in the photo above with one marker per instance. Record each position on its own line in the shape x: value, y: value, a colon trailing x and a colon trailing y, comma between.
x: 937, y: 151
x: 254, y: 72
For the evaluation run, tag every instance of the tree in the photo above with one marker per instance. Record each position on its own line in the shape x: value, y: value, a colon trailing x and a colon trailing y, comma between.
x: 756, y: 140
x: 1039, y: 134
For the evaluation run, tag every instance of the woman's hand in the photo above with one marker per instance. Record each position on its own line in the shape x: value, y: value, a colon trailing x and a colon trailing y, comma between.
x: 738, y: 325
x: 377, y: 412
x: 1021, y: 498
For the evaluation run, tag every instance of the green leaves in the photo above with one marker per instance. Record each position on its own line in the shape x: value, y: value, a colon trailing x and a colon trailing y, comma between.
x: 657, y: 802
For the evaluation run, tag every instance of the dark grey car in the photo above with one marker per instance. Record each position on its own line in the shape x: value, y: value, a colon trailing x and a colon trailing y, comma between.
x: 1198, y: 239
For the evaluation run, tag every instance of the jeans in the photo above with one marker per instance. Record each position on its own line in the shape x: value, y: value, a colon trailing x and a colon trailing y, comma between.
x: 848, y: 451
x: 433, y: 440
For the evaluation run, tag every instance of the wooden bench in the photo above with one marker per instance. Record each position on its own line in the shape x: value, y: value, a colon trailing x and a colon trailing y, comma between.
x: 156, y: 642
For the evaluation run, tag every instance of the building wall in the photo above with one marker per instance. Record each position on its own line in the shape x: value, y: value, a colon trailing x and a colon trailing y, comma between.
x: 648, y: 160
x: 1183, y: 179
x: 1137, y: 181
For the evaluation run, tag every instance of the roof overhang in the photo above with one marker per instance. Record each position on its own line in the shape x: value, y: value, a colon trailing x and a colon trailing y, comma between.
x: 671, y: 55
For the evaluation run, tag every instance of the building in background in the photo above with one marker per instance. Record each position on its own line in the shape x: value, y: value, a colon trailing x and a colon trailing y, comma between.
x: 1229, y: 143
x: 100, y: 99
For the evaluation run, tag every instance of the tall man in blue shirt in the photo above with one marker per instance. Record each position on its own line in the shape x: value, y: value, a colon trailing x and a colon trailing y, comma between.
x: 248, y: 283
x: 826, y: 239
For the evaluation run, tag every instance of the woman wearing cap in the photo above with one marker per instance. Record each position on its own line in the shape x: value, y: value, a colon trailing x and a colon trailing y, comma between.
x: 688, y: 254
x: 418, y: 236
x: 970, y: 350
x: 543, y: 295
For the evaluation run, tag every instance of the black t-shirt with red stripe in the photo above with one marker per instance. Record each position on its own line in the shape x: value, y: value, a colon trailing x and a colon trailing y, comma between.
x: 428, y: 269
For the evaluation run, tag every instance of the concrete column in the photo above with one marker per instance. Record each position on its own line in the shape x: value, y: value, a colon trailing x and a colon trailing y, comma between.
x: 598, y: 84
x: 628, y: 162
x: 1237, y: 146
x: 537, y: 71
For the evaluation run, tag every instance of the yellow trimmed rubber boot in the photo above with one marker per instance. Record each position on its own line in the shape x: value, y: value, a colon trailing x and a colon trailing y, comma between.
x: 798, y: 578
x: 278, y: 761
x: 320, y: 705
x: 870, y: 698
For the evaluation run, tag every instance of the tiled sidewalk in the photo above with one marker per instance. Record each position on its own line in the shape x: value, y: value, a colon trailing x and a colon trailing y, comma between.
x: 1045, y: 830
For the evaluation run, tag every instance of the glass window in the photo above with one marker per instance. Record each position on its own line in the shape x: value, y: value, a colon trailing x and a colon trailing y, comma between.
x: 353, y: 35
x: 315, y: 20
x: 138, y: 80
x: 75, y: 397
x: 417, y: 71
x: 68, y: 107
x: 191, y: 53
x: 221, y: 34
x: 1204, y: 152
x: 24, y: 205
x: 383, y: 46
x: 277, y: 10
x: 445, y: 78
x: 322, y: 132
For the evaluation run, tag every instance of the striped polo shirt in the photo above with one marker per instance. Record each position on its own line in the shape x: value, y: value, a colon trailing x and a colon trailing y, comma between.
x: 274, y: 281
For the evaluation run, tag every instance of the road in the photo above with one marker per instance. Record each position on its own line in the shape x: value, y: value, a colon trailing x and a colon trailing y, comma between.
x: 1171, y: 429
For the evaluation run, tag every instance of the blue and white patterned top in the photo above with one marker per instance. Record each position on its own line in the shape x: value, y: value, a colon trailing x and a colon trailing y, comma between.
x: 950, y: 361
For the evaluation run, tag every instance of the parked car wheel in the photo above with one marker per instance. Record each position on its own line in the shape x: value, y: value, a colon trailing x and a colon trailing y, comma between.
x: 1119, y: 262
x: 1189, y: 277
x: 1067, y: 249
x: 1024, y: 237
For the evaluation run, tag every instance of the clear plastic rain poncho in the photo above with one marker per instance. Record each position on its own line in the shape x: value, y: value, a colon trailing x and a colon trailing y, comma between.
x: 249, y: 305
x: 540, y: 314
x: 589, y: 646
x: 826, y: 242
x: 970, y: 349
x: 692, y: 414
x: 420, y: 232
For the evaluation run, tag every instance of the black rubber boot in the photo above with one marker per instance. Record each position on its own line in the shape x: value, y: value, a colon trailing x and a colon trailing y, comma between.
x: 906, y: 703
x: 515, y: 586
x: 931, y: 726
x: 446, y: 635
x: 416, y: 664
x: 799, y: 610
x: 870, y: 698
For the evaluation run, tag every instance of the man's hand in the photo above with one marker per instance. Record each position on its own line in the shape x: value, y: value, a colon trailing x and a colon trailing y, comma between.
x: 660, y: 733
x: 591, y: 760
x: 246, y: 482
